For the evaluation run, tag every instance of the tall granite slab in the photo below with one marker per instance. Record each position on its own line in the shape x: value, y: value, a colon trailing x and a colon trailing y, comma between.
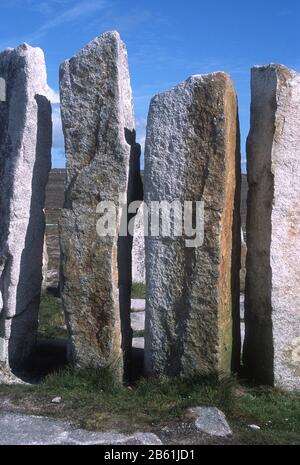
x: 272, y: 318
x: 97, y: 116
x: 192, y: 293
x: 25, y: 159
x: 138, y: 249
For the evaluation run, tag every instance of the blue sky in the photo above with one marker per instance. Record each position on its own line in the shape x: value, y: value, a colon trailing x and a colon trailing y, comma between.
x: 167, y: 41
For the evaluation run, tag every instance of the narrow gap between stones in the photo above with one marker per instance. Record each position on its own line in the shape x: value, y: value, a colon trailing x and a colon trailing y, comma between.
x: 133, y: 356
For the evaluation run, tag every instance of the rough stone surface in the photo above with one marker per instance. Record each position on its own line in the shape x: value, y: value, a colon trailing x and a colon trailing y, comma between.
x: 243, y: 263
x: 272, y: 316
x: 45, y: 264
x: 138, y: 343
x: 192, y: 297
x: 97, y: 108
x: 32, y: 430
x: 138, y: 249
x: 138, y: 305
x: 25, y: 158
x: 138, y: 321
x: 211, y: 421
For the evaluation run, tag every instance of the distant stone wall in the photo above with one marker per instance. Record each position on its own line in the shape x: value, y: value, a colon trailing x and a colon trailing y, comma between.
x: 53, y: 206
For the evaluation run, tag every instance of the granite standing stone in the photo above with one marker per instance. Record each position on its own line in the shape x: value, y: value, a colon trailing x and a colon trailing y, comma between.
x: 25, y: 159
x: 138, y: 249
x: 192, y: 298
x: 272, y: 313
x: 97, y: 114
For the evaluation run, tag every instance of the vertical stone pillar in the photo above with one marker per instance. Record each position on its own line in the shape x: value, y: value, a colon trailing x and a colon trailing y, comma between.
x: 272, y: 318
x: 97, y: 112
x: 138, y: 249
x: 25, y: 159
x: 45, y: 264
x: 192, y: 154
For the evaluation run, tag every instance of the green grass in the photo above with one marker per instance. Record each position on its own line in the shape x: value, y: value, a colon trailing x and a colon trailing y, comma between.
x: 93, y: 400
x: 138, y: 333
x: 51, y: 318
x: 277, y: 413
x: 138, y: 291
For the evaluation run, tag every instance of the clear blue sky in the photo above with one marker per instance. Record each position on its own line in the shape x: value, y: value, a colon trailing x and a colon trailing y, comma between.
x: 167, y: 41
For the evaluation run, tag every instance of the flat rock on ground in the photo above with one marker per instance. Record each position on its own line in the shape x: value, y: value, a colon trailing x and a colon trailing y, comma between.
x: 33, y: 430
x: 211, y: 421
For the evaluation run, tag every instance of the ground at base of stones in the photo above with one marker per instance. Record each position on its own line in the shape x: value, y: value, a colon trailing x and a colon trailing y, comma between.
x: 91, y: 400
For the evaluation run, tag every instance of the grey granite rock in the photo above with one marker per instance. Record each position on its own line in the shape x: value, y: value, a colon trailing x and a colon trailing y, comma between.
x: 45, y: 264
x: 138, y: 343
x: 138, y: 321
x: 272, y: 317
x: 211, y: 421
x: 25, y: 159
x: 138, y: 305
x: 32, y: 430
x: 192, y: 297
x: 97, y: 108
x: 138, y: 250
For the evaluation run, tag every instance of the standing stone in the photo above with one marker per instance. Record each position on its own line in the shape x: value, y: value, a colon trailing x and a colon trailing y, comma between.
x: 25, y: 158
x: 272, y: 346
x: 243, y: 263
x: 192, y: 296
x: 138, y: 249
x: 97, y: 112
x: 45, y: 264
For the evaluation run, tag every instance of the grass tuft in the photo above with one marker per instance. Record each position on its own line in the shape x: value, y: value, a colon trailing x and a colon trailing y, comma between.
x: 138, y: 291
x: 51, y: 318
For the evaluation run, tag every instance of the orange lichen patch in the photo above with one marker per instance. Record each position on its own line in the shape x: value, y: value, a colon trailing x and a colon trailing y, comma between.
x: 294, y: 220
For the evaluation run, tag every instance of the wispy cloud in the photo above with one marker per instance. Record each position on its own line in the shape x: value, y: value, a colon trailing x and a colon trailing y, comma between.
x: 124, y: 23
x: 59, y: 12
x: 70, y: 15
